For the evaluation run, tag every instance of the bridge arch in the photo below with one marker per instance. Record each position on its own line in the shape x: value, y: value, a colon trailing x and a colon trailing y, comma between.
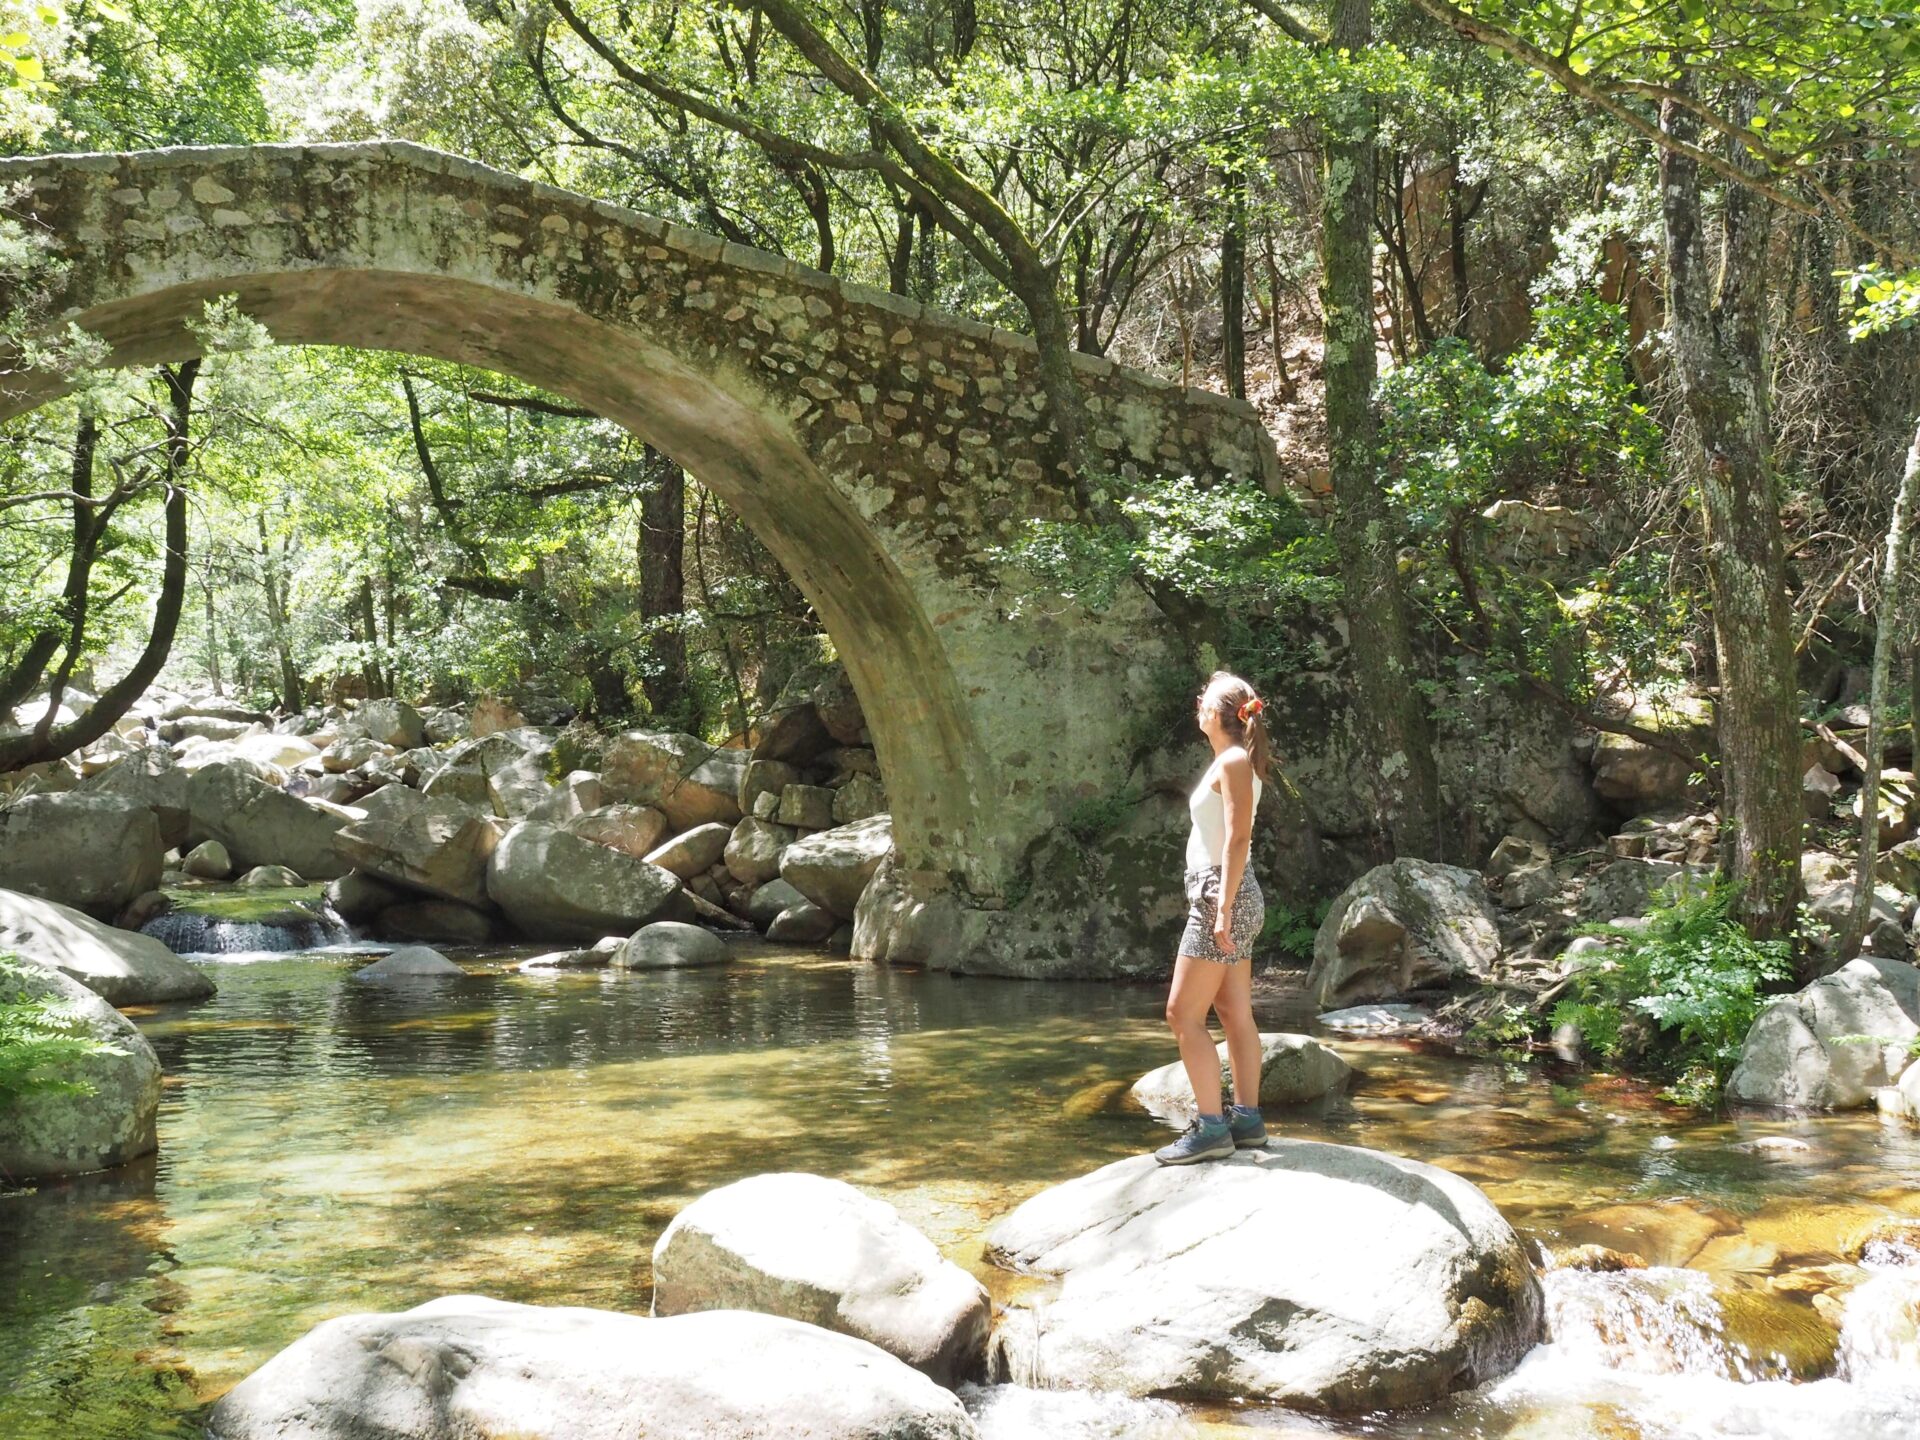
x: 879, y: 449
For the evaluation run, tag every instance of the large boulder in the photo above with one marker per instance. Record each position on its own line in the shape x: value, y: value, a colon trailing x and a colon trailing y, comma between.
x: 465, y: 1367
x: 437, y: 847
x: 45, y: 1133
x: 1409, y: 925
x: 803, y: 924
x: 670, y: 945
x: 832, y: 867
x: 520, y: 786
x: 818, y: 1250
x: 578, y: 792
x: 1293, y: 1070
x: 263, y: 747
x: 692, y: 782
x: 694, y: 851
x: 1902, y: 1099
x: 765, y: 777
x: 633, y: 830
x: 356, y: 897
x: 754, y: 849
x: 1323, y: 1277
x: 208, y: 861
x: 766, y: 903
x: 437, y: 922
x: 95, y: 852
x: 555, y: 885
x: 260, y: 825
x: 793, y: 735
x: 388, y: 722
x: 149, y: 779
x: 120, y: 966
x: 1832, y: 1044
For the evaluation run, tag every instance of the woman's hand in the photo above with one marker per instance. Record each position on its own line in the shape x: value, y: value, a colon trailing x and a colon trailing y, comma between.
x: 1223, y: 932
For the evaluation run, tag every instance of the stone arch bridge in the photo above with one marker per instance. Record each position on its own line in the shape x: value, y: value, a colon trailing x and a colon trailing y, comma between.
x: 878, y: 448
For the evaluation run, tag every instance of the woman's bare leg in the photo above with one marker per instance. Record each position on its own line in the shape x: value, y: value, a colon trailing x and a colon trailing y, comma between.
x: 1234, y: 1005
x: 1196, y: 984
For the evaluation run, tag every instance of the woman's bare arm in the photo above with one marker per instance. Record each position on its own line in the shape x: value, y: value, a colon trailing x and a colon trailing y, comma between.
x: 1236, y: 796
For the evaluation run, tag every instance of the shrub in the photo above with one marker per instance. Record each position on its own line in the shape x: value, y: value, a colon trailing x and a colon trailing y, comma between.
x: 1289, y: 932
x: 39, y: 1038
x: 1695, y: 974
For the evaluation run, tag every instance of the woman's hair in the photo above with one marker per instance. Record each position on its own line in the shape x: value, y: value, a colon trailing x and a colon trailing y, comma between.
x: 1226, y: 694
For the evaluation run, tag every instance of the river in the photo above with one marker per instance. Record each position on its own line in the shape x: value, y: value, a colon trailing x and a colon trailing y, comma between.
x: 330, y: 1146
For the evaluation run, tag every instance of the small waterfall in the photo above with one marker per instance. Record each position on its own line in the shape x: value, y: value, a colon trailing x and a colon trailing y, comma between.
x: 190, y: 933
x: 1650, y: 1322
x: 1880, y: 1326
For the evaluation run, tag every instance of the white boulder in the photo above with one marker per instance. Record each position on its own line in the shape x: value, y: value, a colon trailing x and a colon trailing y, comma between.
x: 122, y: 967
x: 1324, y: 1277
x: 818, y: 1250
x: 465, y: 1367
x: 1293, y: 1070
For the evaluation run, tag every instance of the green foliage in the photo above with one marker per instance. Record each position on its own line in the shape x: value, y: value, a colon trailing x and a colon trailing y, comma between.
x: 1506, y: 1027
x: 1695, y: 973
x: 38, y: 1039
x: 1503, y: 477
x: 1289, y: 931
x: 1881, y: 300
x: 1562, y: 410
x: 1091, y: 821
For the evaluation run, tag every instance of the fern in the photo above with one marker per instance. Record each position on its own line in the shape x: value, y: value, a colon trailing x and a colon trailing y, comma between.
x: 1695, y: 973
x: 40, y: 1039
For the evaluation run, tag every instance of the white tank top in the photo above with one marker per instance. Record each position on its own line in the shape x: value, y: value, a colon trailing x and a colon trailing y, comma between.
x: 1207, y: 840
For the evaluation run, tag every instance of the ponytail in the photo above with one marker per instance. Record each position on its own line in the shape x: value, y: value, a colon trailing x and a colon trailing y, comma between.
x: 1241, y: 713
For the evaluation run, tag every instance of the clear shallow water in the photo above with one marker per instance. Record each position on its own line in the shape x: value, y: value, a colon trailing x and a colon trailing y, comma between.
x: 329, y: 1146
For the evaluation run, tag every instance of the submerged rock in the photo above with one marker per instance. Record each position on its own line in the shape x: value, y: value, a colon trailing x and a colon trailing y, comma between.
x: 1375, y: 1019
x: 120, y: 966
x: 817, y: 1250
x: 415, y: 961
x: 1832, y: 1044
x: 1293, y: 1069
x: 670, y: 945
x: 1320, y: 1276
x: 44, y: 1133
x: 1410, y: 925
x: 466, y: 1367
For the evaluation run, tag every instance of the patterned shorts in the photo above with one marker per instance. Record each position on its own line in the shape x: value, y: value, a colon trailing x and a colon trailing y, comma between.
x: 1203, y: 900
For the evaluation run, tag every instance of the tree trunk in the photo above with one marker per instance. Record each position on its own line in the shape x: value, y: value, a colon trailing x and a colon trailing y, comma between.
x: 1393, y: 715
x: 663, y: 598
x: 370, y: 633
x: 1233, y: 288
x: 27, y: 672
x: 1887, y: 615
x: 1459, y: 213
x: 213, y: 639
x: 48, y: 743
x: 291, y: 691
x: 1718, y: 349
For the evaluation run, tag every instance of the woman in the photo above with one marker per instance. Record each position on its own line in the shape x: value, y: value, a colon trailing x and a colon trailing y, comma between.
x: 1215, y: 967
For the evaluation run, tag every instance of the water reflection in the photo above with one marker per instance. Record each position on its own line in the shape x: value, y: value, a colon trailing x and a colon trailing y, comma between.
x: 331, y: 1146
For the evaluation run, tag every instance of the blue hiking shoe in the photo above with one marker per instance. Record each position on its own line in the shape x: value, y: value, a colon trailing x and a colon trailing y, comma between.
x: 1246, y: 1126
x: 1204, y: 1139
